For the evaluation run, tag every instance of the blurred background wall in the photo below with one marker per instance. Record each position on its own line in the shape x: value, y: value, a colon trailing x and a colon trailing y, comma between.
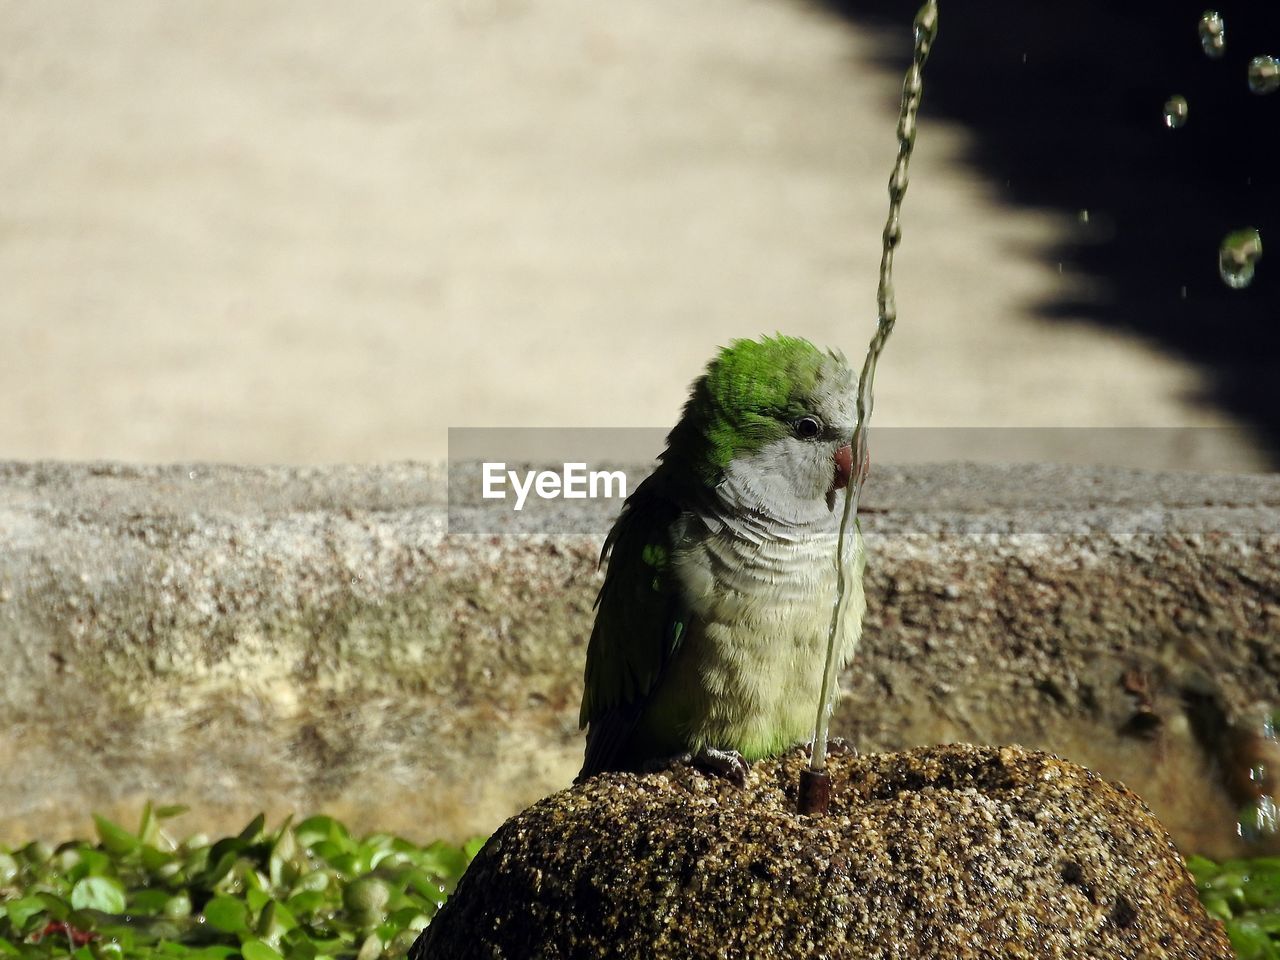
x: 323, y: 231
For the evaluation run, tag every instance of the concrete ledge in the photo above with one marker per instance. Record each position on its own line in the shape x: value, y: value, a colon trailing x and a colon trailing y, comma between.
x: 268, y: 638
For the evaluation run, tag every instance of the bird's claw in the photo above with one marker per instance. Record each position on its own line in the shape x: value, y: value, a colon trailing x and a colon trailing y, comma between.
x: 724, y: 763
x: 840, y: 747
x: 836, y: 747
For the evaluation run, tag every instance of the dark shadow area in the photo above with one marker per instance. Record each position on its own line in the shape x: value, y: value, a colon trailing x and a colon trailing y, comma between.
x: 1065, y: 102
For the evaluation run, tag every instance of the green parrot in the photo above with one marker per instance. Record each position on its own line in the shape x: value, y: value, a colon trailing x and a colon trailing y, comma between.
x: 711, y: 626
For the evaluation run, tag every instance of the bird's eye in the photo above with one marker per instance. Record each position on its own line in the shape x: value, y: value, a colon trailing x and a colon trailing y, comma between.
x: 808, y: 427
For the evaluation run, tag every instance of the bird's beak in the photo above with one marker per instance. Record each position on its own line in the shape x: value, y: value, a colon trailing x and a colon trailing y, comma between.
x: 844, y: 472
x: 844, y: 467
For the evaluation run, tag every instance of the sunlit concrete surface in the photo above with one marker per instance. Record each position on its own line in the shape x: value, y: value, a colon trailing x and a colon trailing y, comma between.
x: 320, y: 231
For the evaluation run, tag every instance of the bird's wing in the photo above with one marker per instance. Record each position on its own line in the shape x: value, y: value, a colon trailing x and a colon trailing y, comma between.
x: 641, y: 618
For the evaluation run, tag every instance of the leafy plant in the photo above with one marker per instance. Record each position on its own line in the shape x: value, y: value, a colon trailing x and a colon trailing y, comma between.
x: 311, y: 890
x: 305, y: 891
x: 1245, y: 896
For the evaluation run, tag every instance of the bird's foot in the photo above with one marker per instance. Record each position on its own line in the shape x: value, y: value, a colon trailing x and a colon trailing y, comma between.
x: 723, y: 763
x: 836, y: 747
x: 840, y: 747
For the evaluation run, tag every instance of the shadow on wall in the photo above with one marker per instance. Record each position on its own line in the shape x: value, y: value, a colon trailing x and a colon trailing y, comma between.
x: 1065, y: 104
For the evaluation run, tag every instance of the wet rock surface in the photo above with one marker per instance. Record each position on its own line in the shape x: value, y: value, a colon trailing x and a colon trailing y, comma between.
x: 955, y: 851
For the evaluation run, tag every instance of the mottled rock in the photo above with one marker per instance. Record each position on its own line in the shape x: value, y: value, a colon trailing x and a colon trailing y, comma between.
x: 955, y: 851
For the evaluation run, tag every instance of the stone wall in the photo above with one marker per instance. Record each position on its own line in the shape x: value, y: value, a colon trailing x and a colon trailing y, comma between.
x: 245, y: 639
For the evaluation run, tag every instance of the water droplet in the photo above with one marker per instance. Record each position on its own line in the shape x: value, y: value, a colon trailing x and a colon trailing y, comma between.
x: 1182, y: 292
x: 1264, y: 75
x: 926, y: 26
x: 898, y: 181
x: 1083, y: 216
x: 1059, y: 268
x: 191, y: 475
x: 893, y: 231
x: 1260, y: 820
x: 913, y: 83
x: 1175, y: 112
x: 1213, y: 34
x: 1238, y: 256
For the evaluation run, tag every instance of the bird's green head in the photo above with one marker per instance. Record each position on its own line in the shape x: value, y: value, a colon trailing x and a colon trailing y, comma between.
x: 771, y: 417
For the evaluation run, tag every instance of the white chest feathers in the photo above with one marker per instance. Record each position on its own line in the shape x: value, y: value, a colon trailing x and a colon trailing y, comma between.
x: 748, y: 673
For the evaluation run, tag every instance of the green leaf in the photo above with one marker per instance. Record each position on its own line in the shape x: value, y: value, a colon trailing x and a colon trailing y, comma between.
x: 444, y: 860
x: 22, y: 910
x: 389, y: 859
x: 227, y: 914
x: 295, y: 938
x: 315, y: 880
x: 366, y: 900
x: 327, y: 850
x: 249, y: 876
x: 172, y: 810
x: 315, y: 829
x: 232, y: 845
x: 257, y: 950
x: 219, y: 870
x: 1216, y: 906
x: 1202, y: 869
x: 426, y: 884
x: 148, y: 901
x: 371, y: 949
x: 1262, y: 888
x: 8, y: 949
x: 37, y: 852
x: 177, y: 906
x: 1249, y: 942
x: 54, y: 905
x: 66, y: 859
x: 284, y: 856
x: 115, y: 838
x: 1269, y: 922
x: 93, y: 863
x: 156, y: 860
x: 256, y: 899
x: 474, y: 846
x: 98, y: 893
x: 253, y: 830
x: 306, y: 903
x: 215, y: 951
x: 276, y: 921
x: 148, y: 828
x: 352, y: 864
